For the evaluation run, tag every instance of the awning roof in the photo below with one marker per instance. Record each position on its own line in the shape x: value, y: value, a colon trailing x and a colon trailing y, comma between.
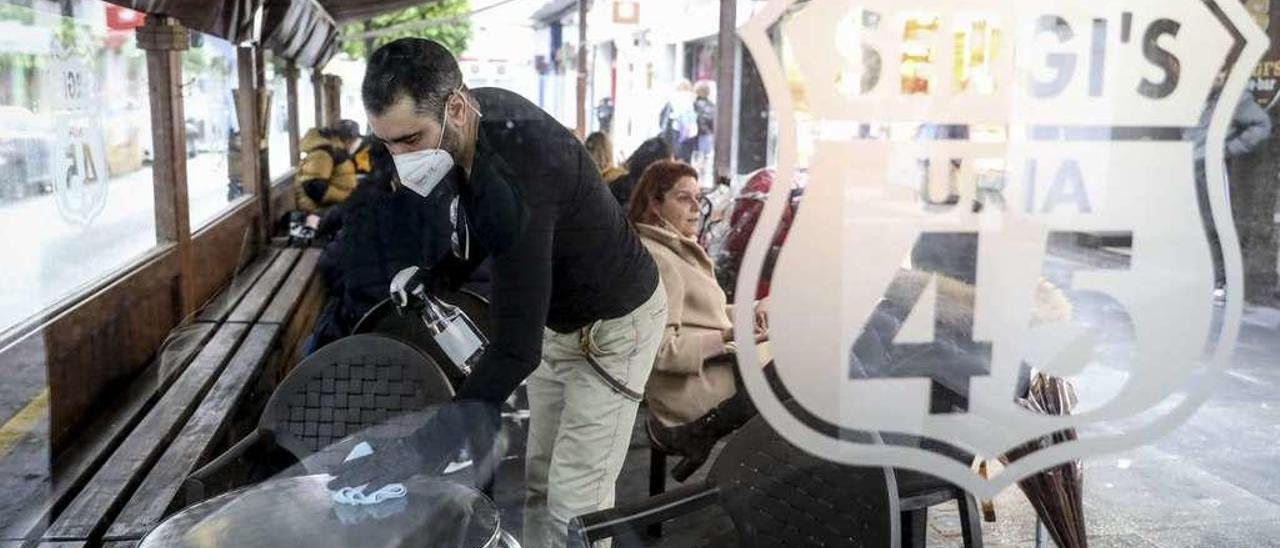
x: 299, y: 30
x: 347, y: 11
x: 304, y: 31
x: 229, y: 19
x: 554, y: 9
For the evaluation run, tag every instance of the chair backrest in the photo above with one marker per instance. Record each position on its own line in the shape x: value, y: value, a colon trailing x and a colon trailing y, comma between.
x: 384, y: 319
x: 347, y: 386
x: 779, y: 495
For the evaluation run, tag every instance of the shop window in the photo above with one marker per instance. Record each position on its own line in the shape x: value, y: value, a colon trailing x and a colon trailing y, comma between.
x: 214, y: 179
x: 76, y: 195
x: 278, y: 160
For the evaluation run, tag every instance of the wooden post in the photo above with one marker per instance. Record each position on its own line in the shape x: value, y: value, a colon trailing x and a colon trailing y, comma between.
x: 164, y: 39
x: 332, y: 100
x: 317, y: 89
x: 250, y: 136
x: 262, y: 117
x: 291, y: 92
x: 726, y: 55
x: 583, y: 7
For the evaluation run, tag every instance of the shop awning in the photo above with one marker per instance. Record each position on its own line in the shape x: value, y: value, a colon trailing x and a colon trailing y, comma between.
x: 348, y: 11
x: 228, y: 19
x: 306, y: 31
x: 301, y: 31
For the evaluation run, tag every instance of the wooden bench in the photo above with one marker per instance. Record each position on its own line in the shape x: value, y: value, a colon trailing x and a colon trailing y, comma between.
x: 73, y: 470
x: 129, y: 475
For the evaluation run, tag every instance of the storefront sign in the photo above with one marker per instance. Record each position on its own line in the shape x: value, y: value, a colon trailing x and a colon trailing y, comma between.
x: 121, y: 18
x: 1265, y: 83
x: 909, y: 304
x: 626, y: 12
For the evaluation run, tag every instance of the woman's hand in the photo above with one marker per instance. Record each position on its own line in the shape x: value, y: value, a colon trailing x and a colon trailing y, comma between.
x: 762, y: 320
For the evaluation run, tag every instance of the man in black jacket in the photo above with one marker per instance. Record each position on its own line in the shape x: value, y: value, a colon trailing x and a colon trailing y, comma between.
x: 576, y: 303
x: 379, y: 230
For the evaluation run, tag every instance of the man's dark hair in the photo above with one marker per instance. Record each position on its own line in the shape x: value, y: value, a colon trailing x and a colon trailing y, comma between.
x: 650, y: 151
x: 420, y: 69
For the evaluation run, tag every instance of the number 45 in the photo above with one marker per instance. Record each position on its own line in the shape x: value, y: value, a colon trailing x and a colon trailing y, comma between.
x: 945, y: 264
x: 80, y: 154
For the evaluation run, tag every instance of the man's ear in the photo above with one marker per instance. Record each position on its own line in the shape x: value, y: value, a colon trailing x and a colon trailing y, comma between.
x: 456, y: 110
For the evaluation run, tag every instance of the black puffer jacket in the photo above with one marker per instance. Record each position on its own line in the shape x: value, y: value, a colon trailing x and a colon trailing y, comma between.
x: 383, y: 230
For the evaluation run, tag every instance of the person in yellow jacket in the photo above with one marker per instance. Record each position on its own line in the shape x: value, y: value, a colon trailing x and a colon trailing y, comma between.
x: 327, y: 174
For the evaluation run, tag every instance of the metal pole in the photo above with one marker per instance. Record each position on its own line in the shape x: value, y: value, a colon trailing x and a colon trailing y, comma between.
x: 726, y: 54
x: 583, y: 7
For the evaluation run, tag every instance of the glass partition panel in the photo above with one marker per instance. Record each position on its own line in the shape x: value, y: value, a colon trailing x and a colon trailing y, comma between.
x: 75, y: 153
x: 76, y: 200
x: 210, y: 79
x: 278, y: 160
x: 1000, y: 272
x: 306, y: 101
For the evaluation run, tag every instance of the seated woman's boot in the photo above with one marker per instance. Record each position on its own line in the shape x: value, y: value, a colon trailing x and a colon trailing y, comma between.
x: 680, y: 440
x: 694, y: 440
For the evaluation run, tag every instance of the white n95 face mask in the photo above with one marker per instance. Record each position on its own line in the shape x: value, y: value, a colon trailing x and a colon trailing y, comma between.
x: 423, y: 170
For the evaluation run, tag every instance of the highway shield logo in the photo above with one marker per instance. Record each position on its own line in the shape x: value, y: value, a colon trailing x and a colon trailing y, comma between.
x: 998, y: 191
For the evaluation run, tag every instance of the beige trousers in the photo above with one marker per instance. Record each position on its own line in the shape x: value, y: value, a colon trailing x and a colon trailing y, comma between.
x: 580, y: 422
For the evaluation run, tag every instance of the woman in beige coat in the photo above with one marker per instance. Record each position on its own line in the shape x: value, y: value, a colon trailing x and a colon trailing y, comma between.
x: 692, y: 394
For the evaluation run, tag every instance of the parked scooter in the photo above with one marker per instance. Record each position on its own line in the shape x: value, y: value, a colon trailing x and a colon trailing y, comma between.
x: 727, y: 248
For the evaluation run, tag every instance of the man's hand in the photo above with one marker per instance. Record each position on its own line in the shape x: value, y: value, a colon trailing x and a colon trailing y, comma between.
x: 392, y: 461
x: 426, y: 451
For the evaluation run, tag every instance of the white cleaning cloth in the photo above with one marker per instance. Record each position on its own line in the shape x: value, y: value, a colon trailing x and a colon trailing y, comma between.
x: 356, y: 495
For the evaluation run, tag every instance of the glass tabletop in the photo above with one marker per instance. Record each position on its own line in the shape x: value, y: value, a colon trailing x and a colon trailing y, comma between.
x: 300, y: 511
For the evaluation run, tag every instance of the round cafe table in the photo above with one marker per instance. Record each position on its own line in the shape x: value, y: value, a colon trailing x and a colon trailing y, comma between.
x: 299, y: 511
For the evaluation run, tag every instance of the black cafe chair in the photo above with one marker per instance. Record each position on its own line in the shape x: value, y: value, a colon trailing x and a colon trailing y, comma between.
x: 385, y: 319
x: 778, y: 495
x: 352, y: 384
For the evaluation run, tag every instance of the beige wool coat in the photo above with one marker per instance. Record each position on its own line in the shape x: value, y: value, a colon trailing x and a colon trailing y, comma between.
x: 683, y: 386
